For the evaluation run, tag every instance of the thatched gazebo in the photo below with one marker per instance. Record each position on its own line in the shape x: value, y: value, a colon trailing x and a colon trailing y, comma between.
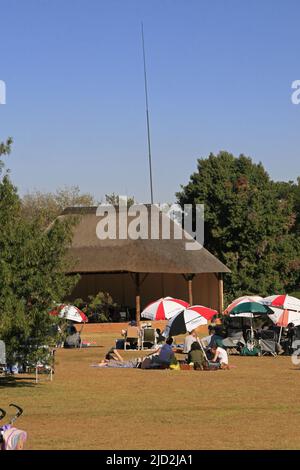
x: 138, y: 271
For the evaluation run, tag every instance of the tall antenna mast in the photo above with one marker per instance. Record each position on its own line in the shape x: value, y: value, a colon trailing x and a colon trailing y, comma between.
x: 147, y: 115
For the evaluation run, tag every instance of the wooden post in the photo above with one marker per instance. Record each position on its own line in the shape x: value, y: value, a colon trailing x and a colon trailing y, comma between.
x: 189, y: 278
x: 138, y: 282
x: 220, y: 293
x: 137, y: 299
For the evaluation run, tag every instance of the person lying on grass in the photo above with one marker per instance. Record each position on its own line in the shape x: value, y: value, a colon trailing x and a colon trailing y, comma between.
x: 220, y: 356
x: 114, y: 359
x: 161, y: 357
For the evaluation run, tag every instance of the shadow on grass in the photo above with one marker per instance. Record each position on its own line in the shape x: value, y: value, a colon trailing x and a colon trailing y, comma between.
x: 83, y: 347
x: 13, y: 381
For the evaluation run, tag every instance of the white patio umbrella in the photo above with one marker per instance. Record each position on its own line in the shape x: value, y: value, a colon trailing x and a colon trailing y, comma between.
x: 286, y: 310
x: 189, y: 319
x: 285, y: 302
x: 70, y: 312
x: 241, y: 300
x: 249, y: 309
x: 164, y: 308
x: 282, y: 317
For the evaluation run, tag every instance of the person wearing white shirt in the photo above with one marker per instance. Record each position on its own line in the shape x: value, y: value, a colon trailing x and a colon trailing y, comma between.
x: 189, y: 340
x: 220, y: 356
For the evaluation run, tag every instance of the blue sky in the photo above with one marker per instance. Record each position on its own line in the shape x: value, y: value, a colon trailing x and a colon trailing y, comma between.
x: 219, y: 78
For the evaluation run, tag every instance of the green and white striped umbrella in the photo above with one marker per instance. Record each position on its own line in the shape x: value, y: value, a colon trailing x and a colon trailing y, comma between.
x: 250, y: 310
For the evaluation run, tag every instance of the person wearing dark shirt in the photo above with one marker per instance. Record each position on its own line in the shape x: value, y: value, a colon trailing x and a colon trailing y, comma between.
x: 291, y: 333
x: 196, y: 356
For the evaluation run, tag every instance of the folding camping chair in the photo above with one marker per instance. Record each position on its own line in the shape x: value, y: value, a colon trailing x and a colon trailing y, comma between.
x: 251, y: 339
x: 133, y: 337
x: 44, y: 365
x: 3, y: 365
x: 234, y: 341
x: 123, y: 316
x: 148, y: 337
x: 267, y: 343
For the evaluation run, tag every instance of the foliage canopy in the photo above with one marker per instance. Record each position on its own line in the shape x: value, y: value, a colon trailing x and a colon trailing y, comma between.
x: 251, y: 223
x: 32, y: 267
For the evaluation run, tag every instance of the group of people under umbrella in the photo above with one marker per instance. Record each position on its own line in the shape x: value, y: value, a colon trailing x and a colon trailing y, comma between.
x: 182, y: 318
x: 69, y: 336
x: 282, y: 310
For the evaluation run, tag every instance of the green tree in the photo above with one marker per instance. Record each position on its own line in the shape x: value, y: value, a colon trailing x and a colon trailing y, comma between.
x: 47, y: 206
x: 32, y: 267
x: 296, y: 194
x: 114, y: 199
x: 249, y: 224
x: 98, y: 306
x: 290, y: 190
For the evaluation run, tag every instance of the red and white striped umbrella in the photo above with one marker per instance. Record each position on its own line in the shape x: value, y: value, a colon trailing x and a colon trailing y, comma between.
x: 205, y: 312
x: 284, y: 317
x: 286, y: 309
x: 189, y: 319
x: 283, y: 301
x: 164, y: 308
x: 240, y: 300
x: 70, y: 312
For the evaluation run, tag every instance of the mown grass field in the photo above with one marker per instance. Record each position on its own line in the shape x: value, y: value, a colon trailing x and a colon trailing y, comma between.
x: 253, y: 406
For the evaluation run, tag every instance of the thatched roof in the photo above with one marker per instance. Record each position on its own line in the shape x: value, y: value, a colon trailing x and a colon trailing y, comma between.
x: 91, y: 254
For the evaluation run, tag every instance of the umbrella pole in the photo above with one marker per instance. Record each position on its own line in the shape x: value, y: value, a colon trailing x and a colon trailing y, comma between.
x: 81, y: 330
x: 251, y: 334
x: 280, y: 333
x: 203, y: 350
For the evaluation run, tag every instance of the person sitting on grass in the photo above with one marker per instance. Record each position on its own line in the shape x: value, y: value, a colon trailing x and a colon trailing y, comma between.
x: 163, y: 356
x: 220, y: 356
x: 196, y: 356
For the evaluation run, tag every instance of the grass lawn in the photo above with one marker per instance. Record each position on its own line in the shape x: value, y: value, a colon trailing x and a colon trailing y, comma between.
x: 254, y: 406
